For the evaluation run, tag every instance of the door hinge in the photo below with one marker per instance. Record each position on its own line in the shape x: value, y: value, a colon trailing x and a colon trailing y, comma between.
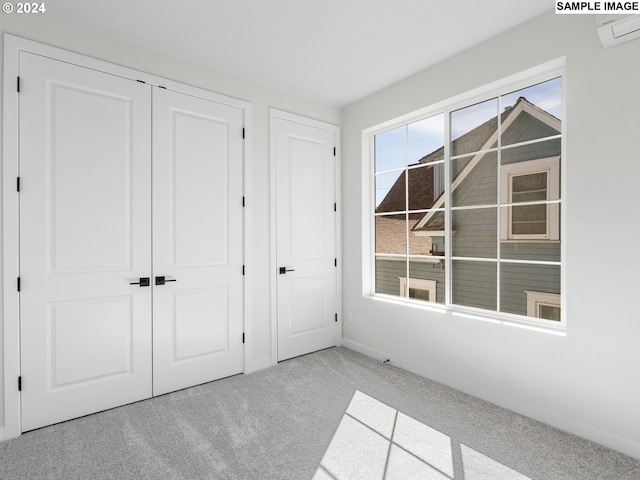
x: 242, y: 269
x: 18, y: 283
x: 242, y: 337
x: 243, y: 201
x: 335, y: 262
x: 336, y: 317
x: 20, y: 383
x: 334, y: 151
x: 18, y: 184
x: 335, y: 207
x: 243, y: 132
x: 18, y: 85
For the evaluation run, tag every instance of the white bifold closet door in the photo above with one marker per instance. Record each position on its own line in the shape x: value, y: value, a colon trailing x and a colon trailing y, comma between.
x: 96, y: 173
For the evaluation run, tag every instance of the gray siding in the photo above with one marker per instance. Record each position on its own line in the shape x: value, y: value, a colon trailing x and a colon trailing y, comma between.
x: 479, y: 187
x: 389, y: 271
x: 526, y: 128
x: 549, y: 148
x: 474, y: 284
x: 543, y: 251
x: 474, y: 233
x: 515, y: 279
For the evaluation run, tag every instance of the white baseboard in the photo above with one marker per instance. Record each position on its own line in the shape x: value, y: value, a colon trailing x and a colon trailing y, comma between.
x: 615, y: 442
x: 258, y: 365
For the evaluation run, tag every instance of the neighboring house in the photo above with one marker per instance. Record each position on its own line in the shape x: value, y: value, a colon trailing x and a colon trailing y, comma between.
x: 528, y: 173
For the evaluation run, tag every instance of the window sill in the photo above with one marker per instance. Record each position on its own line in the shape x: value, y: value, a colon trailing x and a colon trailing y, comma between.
x: 498, y: 318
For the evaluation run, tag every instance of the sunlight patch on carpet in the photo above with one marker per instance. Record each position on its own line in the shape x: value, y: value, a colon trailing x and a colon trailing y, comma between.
x: 375, y: 441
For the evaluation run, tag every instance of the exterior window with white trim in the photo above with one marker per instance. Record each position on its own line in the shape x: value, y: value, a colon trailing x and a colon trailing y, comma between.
x: 418, y: 288
x: 468, y: 197
x: 528, y: 187
x: 543, y: 305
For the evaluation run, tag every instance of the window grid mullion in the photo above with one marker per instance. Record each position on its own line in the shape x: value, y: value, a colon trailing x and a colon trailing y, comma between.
x: 406, y: 208
x: 372, y: 197
x: 499, y: 212
x: 532, y: 142
x: 447, y: 210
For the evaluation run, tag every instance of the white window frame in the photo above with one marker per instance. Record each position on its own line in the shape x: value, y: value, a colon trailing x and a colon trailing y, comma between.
x: 550, y: 166
x: 537, y: 299
x: 541, y: 73
x: 418, y: 284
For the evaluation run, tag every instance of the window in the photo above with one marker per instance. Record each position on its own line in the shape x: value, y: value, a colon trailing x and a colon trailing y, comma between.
x: 528, y: 187
x: 418, y: 288
x: 468, y: 197
x: 543, y: 305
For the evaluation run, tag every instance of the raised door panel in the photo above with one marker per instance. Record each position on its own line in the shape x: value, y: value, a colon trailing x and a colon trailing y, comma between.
x: 307, y: 305
x: 307, y: 197
x: 97, y: 329
x: 199, y: 190
x: 85, y: 165
x: 89, y: 179
x: 197, y: 182
x: 200, y: 323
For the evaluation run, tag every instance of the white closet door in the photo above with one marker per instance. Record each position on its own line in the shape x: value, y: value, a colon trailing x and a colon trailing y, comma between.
x: 197, y: 240
x: 85, y: 229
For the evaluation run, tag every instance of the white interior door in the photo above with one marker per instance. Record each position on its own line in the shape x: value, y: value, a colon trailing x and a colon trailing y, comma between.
x: 305, y: 172
x: 85, y: 229
x: 197, y: 240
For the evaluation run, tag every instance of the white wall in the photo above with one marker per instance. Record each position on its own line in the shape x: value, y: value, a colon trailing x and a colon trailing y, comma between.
x: 45, y: 29
x: 587, y: 382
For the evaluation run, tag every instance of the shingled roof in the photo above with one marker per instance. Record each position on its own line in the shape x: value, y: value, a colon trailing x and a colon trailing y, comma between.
x: 420, y: 186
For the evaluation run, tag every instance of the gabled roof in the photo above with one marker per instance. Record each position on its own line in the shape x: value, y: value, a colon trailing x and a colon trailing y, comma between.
x: 482, y: 138
x: 391, y: 230
x: 421, y: 181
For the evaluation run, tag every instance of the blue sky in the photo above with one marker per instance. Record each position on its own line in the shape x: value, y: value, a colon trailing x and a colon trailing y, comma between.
x: 406, y: 145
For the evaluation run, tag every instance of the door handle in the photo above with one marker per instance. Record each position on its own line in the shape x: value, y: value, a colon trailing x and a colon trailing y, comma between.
x: 284, y: 270
x: 143, y: 282
x: 163, y: 280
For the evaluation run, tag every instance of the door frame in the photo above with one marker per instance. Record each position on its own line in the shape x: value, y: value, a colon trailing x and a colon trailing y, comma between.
x: 13, y: 45
x: 275, y: 114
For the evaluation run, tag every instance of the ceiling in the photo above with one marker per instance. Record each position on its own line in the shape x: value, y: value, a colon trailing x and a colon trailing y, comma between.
x: 333, y: 51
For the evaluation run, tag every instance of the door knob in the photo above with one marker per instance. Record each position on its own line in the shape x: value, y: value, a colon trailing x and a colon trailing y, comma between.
x: 143, y: 282
x: 163, y: 280
x: 285, y: 270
